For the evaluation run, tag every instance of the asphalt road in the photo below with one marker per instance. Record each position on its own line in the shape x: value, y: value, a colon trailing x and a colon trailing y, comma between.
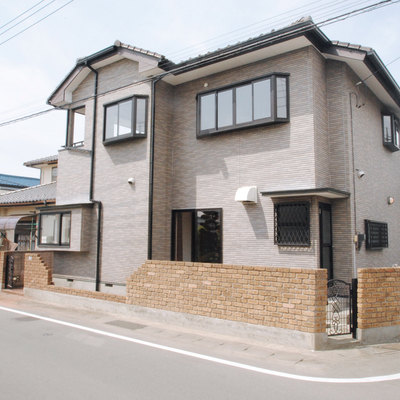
x: 53, y: 352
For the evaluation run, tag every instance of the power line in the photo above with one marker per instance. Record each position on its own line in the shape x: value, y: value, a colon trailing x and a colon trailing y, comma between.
x: 20, y: 15
x: 240, y: 33
x: 20, y: 22
x: 40, y: 20
x: 329, y: 21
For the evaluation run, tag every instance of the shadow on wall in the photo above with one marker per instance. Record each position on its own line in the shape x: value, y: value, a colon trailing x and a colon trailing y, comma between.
x: 127, y: 151
x: 256, y: 216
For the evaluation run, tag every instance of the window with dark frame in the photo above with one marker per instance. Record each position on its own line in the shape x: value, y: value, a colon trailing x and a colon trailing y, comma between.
x: 247, y: 104
x: 376, y: 235
x: 54, y: 173
x: 292, y: 224
x: 76, y: 127
x: 391, y: 132
x: 55, y: 229
x: 125, y: 119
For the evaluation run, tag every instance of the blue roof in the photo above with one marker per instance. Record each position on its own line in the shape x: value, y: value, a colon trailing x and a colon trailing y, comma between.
x: 13, y: 181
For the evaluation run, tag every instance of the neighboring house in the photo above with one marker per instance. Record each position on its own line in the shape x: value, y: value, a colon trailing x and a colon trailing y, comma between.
x: 48, y: 168
x: 13, y: 182
x: 280, y: 151
x: 18, y: 214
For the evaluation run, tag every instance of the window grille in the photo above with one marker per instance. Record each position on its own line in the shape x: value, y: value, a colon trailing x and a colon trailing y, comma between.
x: 292, y: 224
x: 376, y: 235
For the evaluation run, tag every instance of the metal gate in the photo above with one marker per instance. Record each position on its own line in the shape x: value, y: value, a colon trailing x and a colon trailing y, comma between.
x: 341, y: 308
x: 9, y: 272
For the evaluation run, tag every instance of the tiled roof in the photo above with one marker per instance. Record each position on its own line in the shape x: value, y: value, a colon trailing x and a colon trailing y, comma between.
x: 14, y: 181
x: 44, y: 160
x: 137, y: 49
x: 30, y: 195
x: 351, y: 46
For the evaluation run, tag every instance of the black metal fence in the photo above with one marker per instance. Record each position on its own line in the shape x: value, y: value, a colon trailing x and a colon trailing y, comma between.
x: 341, y: 308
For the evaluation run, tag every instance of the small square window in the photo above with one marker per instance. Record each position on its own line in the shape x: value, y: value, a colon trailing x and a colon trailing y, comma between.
x: 126, y: 119
x: 376, y: 235
x: 292, y: 224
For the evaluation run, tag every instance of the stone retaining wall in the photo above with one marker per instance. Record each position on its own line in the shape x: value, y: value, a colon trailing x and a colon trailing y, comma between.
x: 39, y: 276
x: 289, y: 298
x: 378, y: 297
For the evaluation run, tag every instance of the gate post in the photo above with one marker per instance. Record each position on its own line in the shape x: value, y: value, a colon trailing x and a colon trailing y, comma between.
x: 354, y: 324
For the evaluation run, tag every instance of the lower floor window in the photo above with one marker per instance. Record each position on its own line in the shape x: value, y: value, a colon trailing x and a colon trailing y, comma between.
x: 54, y: 229
x: 292, y: 224
x: 376, y: 235
x: 197, y: 235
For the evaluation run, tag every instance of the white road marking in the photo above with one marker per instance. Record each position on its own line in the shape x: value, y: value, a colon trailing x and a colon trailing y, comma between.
x: 370, y: 379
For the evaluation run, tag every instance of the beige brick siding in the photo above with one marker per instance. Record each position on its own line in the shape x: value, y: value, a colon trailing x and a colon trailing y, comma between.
x: 290, y: 298
x: 378, y: 297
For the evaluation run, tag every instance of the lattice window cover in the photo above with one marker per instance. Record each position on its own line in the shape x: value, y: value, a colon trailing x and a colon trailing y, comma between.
x: 292, y: 224
x: 377, y: 236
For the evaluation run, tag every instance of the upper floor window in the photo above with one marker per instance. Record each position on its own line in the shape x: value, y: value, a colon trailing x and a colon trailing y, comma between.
x: 125, y: 119
x: 55, y: 228
x: 54, y: 173
x: 76, y: 127
x: 247, y: 104
x: 391, y: 132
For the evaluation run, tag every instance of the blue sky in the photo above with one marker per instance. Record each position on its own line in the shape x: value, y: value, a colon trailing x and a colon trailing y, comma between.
x: 34, y: 62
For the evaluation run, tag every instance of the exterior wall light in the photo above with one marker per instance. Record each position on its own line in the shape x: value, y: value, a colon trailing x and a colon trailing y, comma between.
x: 390, y: 200
x: 131, y: 181
x: 360, y: 173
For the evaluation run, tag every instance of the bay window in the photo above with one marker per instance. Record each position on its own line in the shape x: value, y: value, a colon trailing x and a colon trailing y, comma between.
x: 125, y: 119
x: 247, y: 104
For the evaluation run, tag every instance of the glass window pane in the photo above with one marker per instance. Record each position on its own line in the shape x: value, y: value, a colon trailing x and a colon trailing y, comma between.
x: 79, y: 126
x: 140, y: 116
x: 396, y: 133
x: 125, y: 118
x: 387, y: 128
x: 225, y: 108
x: 49, y: 228
x: 244, y: 108
x: 281, y: 98
x: 65, y: 228
x: 262, y: 99
x: 112, y: 121
x: 208, y: 246
x: 207, y: 112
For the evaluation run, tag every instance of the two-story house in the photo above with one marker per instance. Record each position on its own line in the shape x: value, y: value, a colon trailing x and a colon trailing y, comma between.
x: 281, y: 150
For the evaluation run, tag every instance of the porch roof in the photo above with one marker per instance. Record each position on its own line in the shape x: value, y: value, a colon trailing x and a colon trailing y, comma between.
x: 10, y: 221
x: 329, y: 193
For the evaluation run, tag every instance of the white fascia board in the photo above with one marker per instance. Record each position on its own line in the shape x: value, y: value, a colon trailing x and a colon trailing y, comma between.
x: 355, y: 61
x: 248, y: 58
x: 145, y: 61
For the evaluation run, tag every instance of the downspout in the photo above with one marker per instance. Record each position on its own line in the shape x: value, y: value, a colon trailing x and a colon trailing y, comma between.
x: 99, y: 204
x: 151, y: 177
x: 354, y: 183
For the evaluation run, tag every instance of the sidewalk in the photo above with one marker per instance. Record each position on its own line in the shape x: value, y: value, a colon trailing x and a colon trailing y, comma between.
x: 376, y: 360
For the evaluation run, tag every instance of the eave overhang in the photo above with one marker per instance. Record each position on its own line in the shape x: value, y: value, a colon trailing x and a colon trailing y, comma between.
x: 65, y: 207
x: 328, y: 193
x: 148, y: 66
